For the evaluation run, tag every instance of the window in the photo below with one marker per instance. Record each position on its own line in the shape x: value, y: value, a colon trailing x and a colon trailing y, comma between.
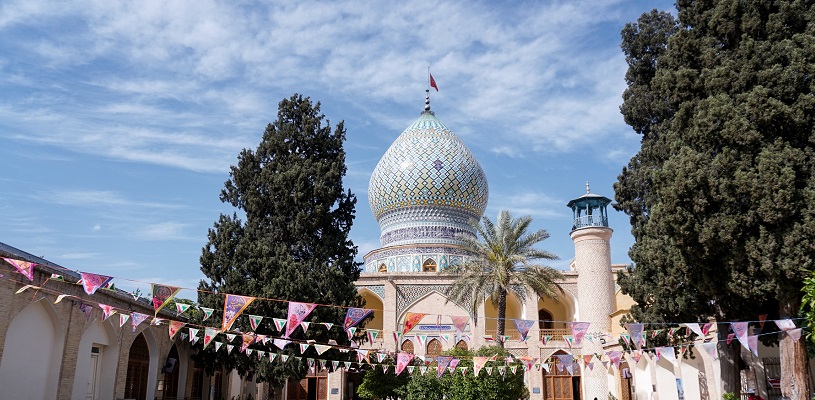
x: 407, y: 346
x: 383, y: 268
x: 544, y: 319
x: 433, y: 348
x: 430, y: 265
x: 461, y: 345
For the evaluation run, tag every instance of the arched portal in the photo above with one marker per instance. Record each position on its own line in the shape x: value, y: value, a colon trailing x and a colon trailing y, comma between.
x: 462, y: 345
x: 96, y: 361
x: 433, y: 348
x: 32, y: 354
x: 558, y: 382
x: 138, y: 367
x: 407, y: 346
x: 514, y: 307
x: 373, y: 302
x: 171, y: 373
x: 430, y: 265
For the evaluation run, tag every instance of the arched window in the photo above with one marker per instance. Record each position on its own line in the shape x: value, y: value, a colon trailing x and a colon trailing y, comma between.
x: 433, y: 348
x: 544, y: 319
x: 407, y: 346
x: 383, y: 268
x: 461, y: 345
x: 430, y: 265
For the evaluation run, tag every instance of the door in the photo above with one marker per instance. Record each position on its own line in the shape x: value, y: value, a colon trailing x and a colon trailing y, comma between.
x: 93, y: 375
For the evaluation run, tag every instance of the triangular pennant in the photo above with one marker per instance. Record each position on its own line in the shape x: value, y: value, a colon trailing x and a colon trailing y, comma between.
x: 136, y: 319
x: 229, y: 348
x: 545, y: 339
x: 247, y: 339
x: 411, y: 320
x: 161, y: 295
x: 193, y: 334
x: 207, y: 312
x: 180, y: 308
x: 752, y: 343
x: 442, y: 362
x: 740, y: 329
x: 305, y: 325
x: 635, y: 330
x: 218, y: 346
x: 272, y: 357
x: 783, y: 324
x: 321, y: 348
x: 254, y: 321
x: 371, y: 334
x: 230, y: 337
x: 26, y: 268
x: 710, y: 348
x: 579, y: 330
x: 350, y: 331
x: 667, y: 353
x: 523, y: 326
x: 706, y: 328
x: 304, y: 347
x: 460, y: 322
x: 122, y: 319
x: 696, y: 329
x: 353, y: 316
x: 488, y: 370
x: 761, y: 319
x: 569, y: 340
x: 795, y: 334
x: 279, y: 323
x: 478, y: 363
x: 209, y: 335
x: 248, y: 351
x: 297, y: 314
x: 175, y: 326
x: 328, y: 325
x: 92, y: 282
x: 107, y: 311
x: 233, y: 307
x: 402, y: 360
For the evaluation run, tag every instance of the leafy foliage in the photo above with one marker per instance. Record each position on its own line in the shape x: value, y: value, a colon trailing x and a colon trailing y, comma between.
x: 502, y: 264
x: 721, y: 195
x: 377, y: 384
x: 292, y: 242
x: 456, y: 386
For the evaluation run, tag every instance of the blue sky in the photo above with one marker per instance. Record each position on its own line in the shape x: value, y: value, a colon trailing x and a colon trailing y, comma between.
x: 119, y: 120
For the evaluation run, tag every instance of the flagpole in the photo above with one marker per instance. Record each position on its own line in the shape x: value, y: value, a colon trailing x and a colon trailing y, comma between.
x: 428, y: 79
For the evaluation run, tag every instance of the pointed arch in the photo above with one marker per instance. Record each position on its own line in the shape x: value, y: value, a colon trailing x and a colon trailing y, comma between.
x: 430, y: 265
x: 407, y: 346
x: 32, y: 353
x: 142, y: 367
x: 96, y: 361
x: 433, y: 348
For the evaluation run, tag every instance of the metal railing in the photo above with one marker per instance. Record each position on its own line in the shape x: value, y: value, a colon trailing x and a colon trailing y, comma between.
x: 590, y: 220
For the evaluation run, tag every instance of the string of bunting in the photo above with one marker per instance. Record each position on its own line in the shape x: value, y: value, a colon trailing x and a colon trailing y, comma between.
x: 235, y: 304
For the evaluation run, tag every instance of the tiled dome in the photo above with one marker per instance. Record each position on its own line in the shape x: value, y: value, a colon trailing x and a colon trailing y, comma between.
x: 428, y: 187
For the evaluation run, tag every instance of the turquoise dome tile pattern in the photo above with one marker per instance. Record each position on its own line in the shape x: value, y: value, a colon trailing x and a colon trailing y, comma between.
x: 428, y: 187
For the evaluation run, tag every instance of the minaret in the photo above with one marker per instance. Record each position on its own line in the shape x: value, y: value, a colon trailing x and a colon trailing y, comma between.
x: 595, y: 284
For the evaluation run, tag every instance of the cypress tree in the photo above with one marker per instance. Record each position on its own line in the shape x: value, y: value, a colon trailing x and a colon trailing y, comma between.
x: 721, y: 195
x: 288, y: 238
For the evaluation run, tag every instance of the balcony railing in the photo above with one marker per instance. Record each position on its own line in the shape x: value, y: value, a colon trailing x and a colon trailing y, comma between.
x: 586, y: 221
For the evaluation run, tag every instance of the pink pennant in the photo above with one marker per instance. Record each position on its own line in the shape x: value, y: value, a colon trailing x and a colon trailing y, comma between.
x: 92, y: 282
x: 297, y: 313
x: 795, y: 334
x: 136, y: 319
x: 175, y: 326
x: 579, y: 330
x: 402, y: 360
x: 107, y: 311
x: 460, y: 322
x: 24, y: 267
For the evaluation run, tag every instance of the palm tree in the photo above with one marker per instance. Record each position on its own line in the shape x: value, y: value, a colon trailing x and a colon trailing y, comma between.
x: 502, y: 263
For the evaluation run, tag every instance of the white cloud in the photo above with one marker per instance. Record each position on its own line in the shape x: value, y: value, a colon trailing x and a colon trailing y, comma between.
x: 163, y: 231
x: 96, y: 228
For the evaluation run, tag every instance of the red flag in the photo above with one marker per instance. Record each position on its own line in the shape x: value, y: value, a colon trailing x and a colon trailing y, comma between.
x: 433, y: 83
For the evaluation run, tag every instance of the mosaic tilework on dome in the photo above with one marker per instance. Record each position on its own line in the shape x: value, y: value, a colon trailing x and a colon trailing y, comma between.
x: 428, y: 165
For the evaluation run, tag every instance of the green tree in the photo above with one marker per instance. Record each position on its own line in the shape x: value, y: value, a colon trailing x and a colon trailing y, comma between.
x: 380, y: 385
x: 503, y: 263
x: 458, y: 386
x: 292, y: 242
x: 721, y: 195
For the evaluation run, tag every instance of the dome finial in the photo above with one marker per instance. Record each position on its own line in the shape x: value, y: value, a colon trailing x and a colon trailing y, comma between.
x: 587, y: 188
x: 427, y: 103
